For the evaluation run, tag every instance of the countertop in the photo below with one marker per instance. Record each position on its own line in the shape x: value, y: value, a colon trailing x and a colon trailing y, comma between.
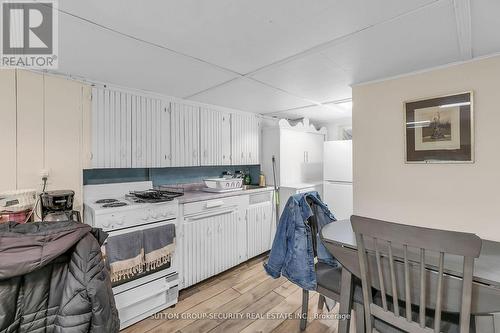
x: 199, y: 195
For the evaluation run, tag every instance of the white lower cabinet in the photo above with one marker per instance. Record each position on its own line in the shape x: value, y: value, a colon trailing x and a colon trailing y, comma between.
x: 260, y: 230
x: 221, y: 233
x: 210, y: 245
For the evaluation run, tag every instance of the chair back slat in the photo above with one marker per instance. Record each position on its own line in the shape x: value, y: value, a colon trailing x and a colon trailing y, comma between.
x: 407, y: 285
x: 423, y: 240
x: 466, y: 293
x: 439, y: 294
x: 422, y: 303
x: 393, y: 282
x: 380, y: 275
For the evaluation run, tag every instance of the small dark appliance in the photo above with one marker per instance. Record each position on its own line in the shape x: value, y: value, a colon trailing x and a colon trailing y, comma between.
x: 58, y: 206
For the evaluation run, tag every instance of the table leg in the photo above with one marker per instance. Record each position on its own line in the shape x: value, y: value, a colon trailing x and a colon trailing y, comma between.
x: 345, y: 301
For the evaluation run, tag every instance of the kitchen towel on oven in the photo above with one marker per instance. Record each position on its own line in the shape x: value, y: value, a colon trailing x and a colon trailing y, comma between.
x: 125, y: 255
x: 159, y: 245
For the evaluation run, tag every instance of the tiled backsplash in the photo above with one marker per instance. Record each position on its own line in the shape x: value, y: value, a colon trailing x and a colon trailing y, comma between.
x: 164, y: 176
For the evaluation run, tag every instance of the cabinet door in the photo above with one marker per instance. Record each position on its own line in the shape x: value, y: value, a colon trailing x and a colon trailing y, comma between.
x: 215, y: 137
x: 210, y: 246
x: 253, y: 138
x: 314, y: 148
x: 111, y: 129
x: 238, y: 139
x: 259, y: 229
x: 185, y: 138
x: 292, y: 157
x: 245, y: 135
x: 150, y: 133
x: 8, y: 129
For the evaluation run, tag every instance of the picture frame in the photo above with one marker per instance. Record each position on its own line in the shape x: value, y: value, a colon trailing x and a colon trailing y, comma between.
x: 440, y: 129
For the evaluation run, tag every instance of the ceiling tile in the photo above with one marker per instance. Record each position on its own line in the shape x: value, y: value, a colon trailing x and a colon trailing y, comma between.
x: 314, y: 77
x: 248, y: 95
x: 98, y: 54
x: 423, y: 39
x: 485, y: 27
x: 238, y: 34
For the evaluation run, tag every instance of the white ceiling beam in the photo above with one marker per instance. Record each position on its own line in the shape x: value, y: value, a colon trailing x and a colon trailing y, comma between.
x: 463, y: 19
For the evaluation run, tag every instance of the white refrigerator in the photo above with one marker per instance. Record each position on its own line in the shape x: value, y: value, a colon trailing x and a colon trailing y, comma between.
x: 337, y: 178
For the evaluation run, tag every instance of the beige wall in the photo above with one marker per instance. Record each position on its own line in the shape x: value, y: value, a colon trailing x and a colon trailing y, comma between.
x: 45, y: 125
x: 463, y: 197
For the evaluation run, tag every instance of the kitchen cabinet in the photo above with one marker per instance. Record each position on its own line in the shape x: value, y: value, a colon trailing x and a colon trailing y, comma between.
x: 215, y: 137
x: 150, y: 132
x: 185, y: 134
x: 210, y: 245
x: 8, y: 129
x: 298, y: 150
x: 221, y: 233
x: 111, y: 128
x: 245, y: 129
x: 260, y: 230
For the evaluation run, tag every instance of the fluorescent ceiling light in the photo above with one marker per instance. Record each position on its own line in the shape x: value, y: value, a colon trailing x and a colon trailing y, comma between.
x: 345, y: 105
x: 454, y: 104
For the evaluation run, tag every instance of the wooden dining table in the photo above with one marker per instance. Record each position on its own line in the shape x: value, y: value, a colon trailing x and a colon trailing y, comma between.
x: 340, y: 240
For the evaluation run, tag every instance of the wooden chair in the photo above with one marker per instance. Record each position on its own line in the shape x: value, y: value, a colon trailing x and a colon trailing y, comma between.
x: 416, y: 282
x: 330, y: 282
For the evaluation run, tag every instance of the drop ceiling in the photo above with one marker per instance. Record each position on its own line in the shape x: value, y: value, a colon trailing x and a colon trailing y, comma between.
x: 289, y: 58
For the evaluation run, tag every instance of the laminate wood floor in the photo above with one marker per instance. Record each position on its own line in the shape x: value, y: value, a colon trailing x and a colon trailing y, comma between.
x: 256, y: 302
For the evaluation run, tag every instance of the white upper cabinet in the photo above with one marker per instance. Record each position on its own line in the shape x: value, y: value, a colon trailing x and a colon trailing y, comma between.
x: 150, y: 132
x: 245, y: 130
x: 185, y: 134
x: 215, y: 137
x: 111, y: 129
x: 137, y: 130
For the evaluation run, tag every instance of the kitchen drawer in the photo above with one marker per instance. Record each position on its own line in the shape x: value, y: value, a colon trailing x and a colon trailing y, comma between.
x: 209, y: 205
x: 259, y: 198
x: 136, y: 301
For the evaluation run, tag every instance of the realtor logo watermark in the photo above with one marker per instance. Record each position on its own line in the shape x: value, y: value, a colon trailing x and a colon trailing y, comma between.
x: 29, y: 34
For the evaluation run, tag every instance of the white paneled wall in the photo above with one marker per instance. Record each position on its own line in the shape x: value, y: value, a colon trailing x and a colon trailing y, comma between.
x: 185, y: 134
x: 43, y: 128
x: 215, y: 137
x: 111, y: 129
x: 8, y: 129
x: 150, y: 132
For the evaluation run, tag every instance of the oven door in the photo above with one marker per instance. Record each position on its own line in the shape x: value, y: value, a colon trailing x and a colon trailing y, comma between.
x: 171, y: 268
x: 146, y: 294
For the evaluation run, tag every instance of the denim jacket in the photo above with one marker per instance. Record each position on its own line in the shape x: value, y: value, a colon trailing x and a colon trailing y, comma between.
x: 292, y: 252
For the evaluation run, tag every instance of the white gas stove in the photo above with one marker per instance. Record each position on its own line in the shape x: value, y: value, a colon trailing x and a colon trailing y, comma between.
x: 113, y: 208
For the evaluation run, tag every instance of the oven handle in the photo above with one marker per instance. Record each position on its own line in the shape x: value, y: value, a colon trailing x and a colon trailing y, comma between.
x: 112, y: 233
x: 204, y: 216
x: 156, y: 292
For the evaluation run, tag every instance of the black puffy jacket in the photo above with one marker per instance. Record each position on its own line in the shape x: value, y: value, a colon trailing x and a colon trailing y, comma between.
x: 53, y: 279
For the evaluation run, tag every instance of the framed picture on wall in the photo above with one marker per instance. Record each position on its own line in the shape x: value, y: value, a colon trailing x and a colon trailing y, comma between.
x: 440, y: 129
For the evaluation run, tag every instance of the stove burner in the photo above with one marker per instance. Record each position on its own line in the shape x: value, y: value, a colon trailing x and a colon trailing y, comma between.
x: 106, y: 201
x: 114, y: 204
x: 153, y: 196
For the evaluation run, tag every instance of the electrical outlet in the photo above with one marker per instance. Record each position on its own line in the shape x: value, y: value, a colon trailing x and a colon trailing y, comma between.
x: 44, y: 173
